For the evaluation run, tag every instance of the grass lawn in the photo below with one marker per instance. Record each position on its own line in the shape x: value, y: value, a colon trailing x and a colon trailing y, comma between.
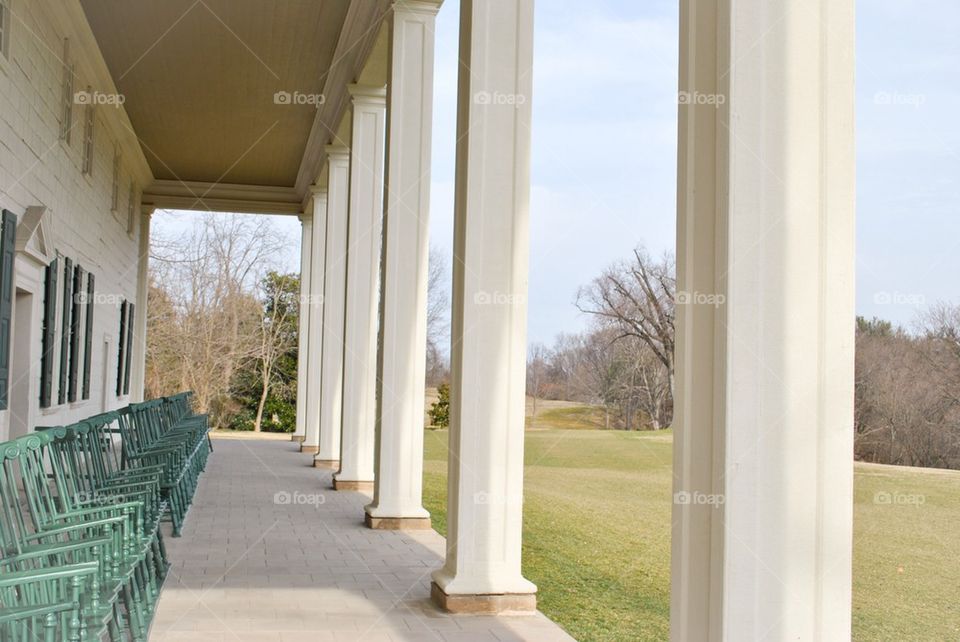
x: 597, y: 536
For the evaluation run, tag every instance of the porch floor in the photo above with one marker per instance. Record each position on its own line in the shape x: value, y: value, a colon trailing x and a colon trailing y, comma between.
x: 253, y: 567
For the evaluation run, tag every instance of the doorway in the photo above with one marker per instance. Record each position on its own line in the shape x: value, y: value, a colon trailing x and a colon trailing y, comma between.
x: 21, y: 379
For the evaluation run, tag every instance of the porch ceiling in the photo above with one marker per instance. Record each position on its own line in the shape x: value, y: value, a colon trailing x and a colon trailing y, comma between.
x: 199, y: 79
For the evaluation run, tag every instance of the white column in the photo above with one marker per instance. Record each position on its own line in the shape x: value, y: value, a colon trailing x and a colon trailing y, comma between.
x: 303, y: 331
x: 363, y: 263
x: 139, y: 357
x: 397, y: 498
x: 763, y: 455
x: 334, y: 305
x: 314, y: 301
x: 488, y: 355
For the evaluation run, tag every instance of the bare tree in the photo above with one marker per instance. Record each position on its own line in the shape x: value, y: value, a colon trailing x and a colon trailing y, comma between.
x: 638, y: 298
x: 205, y: 315
x: 438, y: 316
x: 537, y: 365
x: 278, y: 332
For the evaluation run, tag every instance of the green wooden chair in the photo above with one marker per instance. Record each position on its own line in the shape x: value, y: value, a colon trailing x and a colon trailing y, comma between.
x: 128, y: 575
x: 27, y: 553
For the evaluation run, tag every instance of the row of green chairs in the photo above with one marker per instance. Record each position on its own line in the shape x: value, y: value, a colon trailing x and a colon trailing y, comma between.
x: 81, y: 551
x: 165, y: 435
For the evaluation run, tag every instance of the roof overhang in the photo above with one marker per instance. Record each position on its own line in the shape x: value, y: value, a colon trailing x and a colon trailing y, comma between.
x: 199, y: 81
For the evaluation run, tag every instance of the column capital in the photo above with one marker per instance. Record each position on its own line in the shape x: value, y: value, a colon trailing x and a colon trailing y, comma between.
x: 336, y: 152
x: 368, y: 94
x: 428, y: 7
x: 147, y: 209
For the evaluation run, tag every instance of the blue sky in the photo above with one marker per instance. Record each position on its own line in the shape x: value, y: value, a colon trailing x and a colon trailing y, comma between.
x: 604, y: 149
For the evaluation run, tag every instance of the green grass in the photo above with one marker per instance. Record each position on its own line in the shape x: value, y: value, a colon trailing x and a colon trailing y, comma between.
x: 597, y: 537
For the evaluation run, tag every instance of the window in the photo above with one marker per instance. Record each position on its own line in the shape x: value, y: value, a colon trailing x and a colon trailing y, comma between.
x: 6, y: 21
x: 89, y: 119
x: 122, y: 346
x: 126, y: 365
x: 76, y: 304
x: 125, y: 346
x: 88, y: 335
x: 49, y: 333
x: 66, y: 101
x: 8, y: 235
x: 65, y: 328
x: 115, y: 195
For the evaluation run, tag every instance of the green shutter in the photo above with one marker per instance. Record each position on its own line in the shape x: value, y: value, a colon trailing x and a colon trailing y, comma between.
x: 49, y: 333
x: 121, y: 346
x: 8, y: 237
x: 75, y: 308
x: 88, y: 336
x: 65, y: 330
x: 126, y: 369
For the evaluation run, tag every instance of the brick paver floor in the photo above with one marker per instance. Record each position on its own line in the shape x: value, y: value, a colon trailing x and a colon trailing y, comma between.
x: 270, y: 552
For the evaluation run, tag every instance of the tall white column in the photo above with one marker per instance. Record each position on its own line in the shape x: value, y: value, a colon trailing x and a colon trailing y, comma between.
x: 488, y: 355
x: 763, y: 455
x: 363, y: 263
x: 334, y: 305
x: 303, y: 331
x: 314, y: 302
x: 139, y: 357
x: 398, y: 492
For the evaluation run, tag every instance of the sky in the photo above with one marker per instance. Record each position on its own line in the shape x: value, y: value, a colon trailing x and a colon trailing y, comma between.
x: 604, y: 151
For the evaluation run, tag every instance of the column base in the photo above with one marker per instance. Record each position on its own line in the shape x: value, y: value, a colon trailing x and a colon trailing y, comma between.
x: 326, y: 463
x: 309, y: 450
x: 349, y: 484
x: 299, y: 438
x: 484, y: 604
x: 397, y: 523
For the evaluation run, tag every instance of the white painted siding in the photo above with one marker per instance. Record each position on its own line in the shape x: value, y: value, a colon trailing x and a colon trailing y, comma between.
x: 38, y: 169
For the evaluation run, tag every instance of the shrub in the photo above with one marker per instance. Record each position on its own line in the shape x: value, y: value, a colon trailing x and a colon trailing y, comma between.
x: 440, y: 409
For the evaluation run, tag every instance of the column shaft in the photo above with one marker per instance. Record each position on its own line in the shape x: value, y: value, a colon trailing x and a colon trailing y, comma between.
x: 488, y: 353
x: 334, y: 305
x: 763, y: 455
x: 314, y: 302
x: 363, y: 262
x: 401, y: 364
x: 303, y: 331
x: 139, y: 358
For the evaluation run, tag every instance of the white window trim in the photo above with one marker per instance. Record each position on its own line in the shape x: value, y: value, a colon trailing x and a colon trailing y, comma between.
x: 115, y: 194
x: 67, y: 97
x: 132, y: 202
x: 6, y: 24
x: 89, y: 132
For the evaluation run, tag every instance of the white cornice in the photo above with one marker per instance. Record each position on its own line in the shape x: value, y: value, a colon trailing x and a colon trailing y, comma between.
x: 359, y: 34
x: 217, y: 197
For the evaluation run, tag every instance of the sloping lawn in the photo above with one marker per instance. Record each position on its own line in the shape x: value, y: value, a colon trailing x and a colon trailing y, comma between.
x: 597, y: 537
